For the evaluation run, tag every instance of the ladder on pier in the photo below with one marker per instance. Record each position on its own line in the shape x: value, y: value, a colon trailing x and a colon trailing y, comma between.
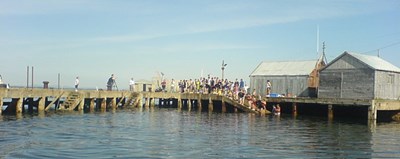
x: 72, y: 101
x: 132, y: 100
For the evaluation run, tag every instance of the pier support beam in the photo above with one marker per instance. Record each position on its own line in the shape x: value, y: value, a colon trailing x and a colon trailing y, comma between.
x: 81, y: 104
x: 372, y: 111
x: 113, y: 103
x: 189, y: 104
x: 153, y: 102
x: 223, y: 109
x: 210, y: 105
x: 18, y: 108
x: 179, y: 103
x: 42, y: 103
x: 103, y: 105
x: 199, y: 105
x: 330, y: 112
x: 294, y: 109
x: 140, y: 102
x: 147, y: 102
x: 91, y: 105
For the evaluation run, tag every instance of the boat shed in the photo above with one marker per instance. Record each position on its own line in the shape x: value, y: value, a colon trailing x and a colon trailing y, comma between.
x: 289, y: 78
x: 358, y: 76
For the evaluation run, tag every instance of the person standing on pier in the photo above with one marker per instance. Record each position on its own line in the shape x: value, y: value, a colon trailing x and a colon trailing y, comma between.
x: 110, y: 82
x: 132, y: 85
x: 269, y: 85
x: 172, y: 86
x: 76, y: 83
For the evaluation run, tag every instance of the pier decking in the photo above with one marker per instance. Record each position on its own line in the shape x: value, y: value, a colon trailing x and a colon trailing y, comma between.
x: 15, y: 101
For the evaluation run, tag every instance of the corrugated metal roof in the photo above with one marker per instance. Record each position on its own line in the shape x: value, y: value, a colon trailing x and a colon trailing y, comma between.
x: 290, y: 68
x: 375, y: 62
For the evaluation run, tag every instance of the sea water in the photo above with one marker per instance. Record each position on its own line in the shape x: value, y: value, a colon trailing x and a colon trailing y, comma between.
x: 171, y: 133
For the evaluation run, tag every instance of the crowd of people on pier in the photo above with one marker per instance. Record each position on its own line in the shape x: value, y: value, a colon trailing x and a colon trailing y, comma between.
x: 234, y: 89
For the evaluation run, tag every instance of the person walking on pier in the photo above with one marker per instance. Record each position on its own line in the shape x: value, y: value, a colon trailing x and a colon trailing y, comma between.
x: 132, y: 85
x: 110, y: 82
x: 76, y: 83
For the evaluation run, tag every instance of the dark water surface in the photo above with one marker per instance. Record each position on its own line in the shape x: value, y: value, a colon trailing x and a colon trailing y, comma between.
x: 169, y: 133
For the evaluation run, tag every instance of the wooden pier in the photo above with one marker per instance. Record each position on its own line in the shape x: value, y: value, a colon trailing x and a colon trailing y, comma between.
x: 17, y: 101
x: 42, y: 100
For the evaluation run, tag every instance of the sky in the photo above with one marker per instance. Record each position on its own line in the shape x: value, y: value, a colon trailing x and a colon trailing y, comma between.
x: 183, y: 39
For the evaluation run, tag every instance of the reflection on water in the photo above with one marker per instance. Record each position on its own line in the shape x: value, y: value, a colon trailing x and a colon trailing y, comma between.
x: 169, y: 133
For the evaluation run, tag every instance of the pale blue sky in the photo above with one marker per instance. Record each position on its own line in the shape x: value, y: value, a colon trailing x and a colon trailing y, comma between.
x: 137, y: 38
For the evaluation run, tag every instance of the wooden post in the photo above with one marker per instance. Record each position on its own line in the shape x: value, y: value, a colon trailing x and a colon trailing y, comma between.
x: 153, y: 102
x: 42, y: 102
x: 81, y: 104
x: 18, y: 107
x: 1, y: 105
x: 223, y: 106
x: 179, y: 102
x: 140, y: 102
x: 330, y: 112
x: 189, y: 104
x: 199, y: 105
x: 147, y: 101
x: 210, y: 105
x: 372, y: 111
x: 103, y: 106
x: 294, y: 109
x: 91, y: 105
x: 114, y: 103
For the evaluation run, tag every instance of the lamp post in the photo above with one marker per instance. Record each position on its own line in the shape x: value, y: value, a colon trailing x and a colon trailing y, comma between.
x: 223, y: 68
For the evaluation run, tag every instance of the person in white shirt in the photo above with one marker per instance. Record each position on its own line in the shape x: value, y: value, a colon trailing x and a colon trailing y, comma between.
x: 132, y: 85
x: 76, y: 83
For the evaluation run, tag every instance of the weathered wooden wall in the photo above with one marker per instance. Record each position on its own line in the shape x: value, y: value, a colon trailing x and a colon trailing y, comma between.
x: 350, y: 84
x: 387, y: 85
x: 295, y: 85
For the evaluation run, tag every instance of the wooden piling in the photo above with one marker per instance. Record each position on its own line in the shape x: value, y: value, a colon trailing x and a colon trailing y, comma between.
x: 42, y: 102
x: 81, y: 104
x: 18, y: 108
x: 199, y: 105
x: 103, y: 106
x: 179, y: 102
x: 210, y: 105
x: 294, y: 109
x: 223, y: 109
x: 91, y: 105
x: 153, y: 102
x: 114, y: 103
x: 189, y: 104
x: 330, y: 112
x: 147, y: 102
x: 372, y: 111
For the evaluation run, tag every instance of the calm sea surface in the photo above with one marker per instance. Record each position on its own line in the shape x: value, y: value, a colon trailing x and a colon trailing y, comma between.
x: 169, y: 133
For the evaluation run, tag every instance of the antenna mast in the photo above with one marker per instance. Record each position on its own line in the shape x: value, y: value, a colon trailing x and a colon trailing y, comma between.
x: 323, y: 52
x: 317, y: 40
